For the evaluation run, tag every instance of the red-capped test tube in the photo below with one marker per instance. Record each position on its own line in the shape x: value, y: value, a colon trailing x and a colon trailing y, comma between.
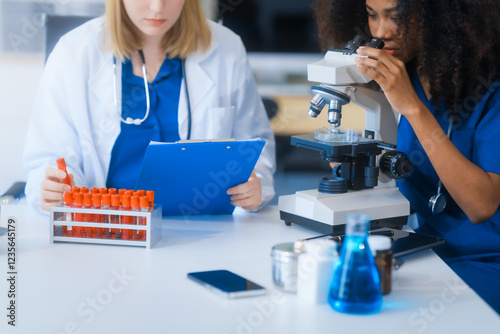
x: 106, y: 205
x: 134, y: 201
x: 143, y: 220
x: 151, y: 198
x: 61, y: 164
x: 68, y: 203
x: 84, y: 190
x: 126, y: 219
x: 115, y: 219
x: 78, y: 203
x: 88, y: 217
x: 97, y: 218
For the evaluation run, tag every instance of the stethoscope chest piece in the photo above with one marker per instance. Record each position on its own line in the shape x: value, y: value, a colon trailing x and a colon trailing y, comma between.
x: 437, y: 203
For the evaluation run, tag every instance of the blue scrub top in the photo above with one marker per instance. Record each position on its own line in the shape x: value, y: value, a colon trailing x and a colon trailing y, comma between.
x: 161, y: 125
x: 472, y: 250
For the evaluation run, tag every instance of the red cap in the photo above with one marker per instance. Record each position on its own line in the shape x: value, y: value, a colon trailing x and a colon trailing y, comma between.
x: 94, y: 190
x: 135, y: 201
x: 87, y: 199
x: 126, y: 201
x: 75, y: 189
x: 68, y: 198
x: 78, y: 198
x: 115, y: 200
x: 84, y: 190
x: 103, y: 191
x: 121, y: 192
x: 129, y: 192
x: 144, y: 202
x: 96, y: 199
x: 141, y: 192
x: 112, y: 191
x: 61, y: 164
x: 151, y: 195
x: 106, y: 199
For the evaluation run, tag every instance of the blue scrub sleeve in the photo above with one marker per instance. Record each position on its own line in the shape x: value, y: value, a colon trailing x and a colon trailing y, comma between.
x: 486, y: 153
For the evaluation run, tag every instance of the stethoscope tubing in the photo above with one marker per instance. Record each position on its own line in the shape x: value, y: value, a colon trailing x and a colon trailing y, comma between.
x: 138, y: 121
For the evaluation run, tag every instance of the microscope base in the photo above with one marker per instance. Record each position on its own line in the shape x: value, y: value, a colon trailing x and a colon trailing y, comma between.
x: 326, y: 213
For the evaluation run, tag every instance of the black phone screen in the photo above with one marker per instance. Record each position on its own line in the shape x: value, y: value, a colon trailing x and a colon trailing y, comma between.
x: 226, y: 282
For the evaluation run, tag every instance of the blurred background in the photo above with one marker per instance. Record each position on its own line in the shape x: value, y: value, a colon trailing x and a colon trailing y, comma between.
x: 280, y: 37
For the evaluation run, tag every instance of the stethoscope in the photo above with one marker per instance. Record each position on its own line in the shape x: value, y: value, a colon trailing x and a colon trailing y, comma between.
x: 139, y: 121
x: 437, y: 202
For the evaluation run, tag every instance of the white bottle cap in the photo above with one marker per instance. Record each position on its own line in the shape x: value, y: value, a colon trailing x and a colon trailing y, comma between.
x: 379, y: 242
x: 324, y: 246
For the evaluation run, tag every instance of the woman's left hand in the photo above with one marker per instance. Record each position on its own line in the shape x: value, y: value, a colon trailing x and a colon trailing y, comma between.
x: 390, y: 73
x: 248, y: 195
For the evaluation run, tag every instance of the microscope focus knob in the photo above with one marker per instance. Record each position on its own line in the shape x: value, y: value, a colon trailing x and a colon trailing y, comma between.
x: 394, y: 164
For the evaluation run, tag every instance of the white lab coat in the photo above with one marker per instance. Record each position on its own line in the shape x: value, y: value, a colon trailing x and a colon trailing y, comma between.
x: 75, y: 115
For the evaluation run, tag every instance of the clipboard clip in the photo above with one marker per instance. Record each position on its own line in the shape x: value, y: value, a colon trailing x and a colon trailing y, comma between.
x: 187, y: 141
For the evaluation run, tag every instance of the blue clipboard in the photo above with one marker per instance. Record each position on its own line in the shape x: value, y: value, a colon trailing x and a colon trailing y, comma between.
x: 192, y: 177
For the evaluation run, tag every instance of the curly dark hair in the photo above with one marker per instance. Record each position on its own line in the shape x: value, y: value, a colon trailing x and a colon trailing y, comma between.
x: 460, y: 41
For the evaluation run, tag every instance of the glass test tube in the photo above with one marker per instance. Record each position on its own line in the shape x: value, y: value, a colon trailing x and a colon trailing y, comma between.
x: 87, y: 217
x: 115, y: 219
x: 134, y: 201
x: 106, y: 204
x: 143, y: 220
x: 78, y: 203
x: 97, y: 218
x: 68, y: 216
x: 126, y: 206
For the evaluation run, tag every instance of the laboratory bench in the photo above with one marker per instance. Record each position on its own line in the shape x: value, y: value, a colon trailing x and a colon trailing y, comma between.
x: 88, y: 288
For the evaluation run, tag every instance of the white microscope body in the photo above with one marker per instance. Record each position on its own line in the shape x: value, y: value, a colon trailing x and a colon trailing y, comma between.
x: 383, y: 203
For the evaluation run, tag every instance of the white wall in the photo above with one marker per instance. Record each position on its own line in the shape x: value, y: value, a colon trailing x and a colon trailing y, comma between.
x: 19, y: 81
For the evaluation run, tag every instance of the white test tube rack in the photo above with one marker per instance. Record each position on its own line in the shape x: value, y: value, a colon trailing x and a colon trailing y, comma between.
x: 152, y: 227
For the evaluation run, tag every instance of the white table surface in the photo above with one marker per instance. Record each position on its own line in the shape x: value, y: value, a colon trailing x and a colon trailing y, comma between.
x: 83, y: 288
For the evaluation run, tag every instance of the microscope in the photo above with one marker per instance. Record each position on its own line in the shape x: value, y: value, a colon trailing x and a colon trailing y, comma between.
x: 362, y: 181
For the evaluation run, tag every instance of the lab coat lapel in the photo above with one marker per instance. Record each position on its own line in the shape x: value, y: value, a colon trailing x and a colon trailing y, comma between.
x: 101, y: 84
x: 199, y: 85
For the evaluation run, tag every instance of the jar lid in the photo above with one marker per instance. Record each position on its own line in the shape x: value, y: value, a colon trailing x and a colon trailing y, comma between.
x: 379, y: 242
x: 284, y: 252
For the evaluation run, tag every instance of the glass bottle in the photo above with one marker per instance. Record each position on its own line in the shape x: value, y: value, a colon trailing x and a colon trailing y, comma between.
x: 355, y: 287
x: 381, y: 247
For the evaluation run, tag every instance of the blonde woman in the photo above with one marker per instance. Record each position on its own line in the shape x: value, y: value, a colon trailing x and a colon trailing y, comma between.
x: 149, y: 70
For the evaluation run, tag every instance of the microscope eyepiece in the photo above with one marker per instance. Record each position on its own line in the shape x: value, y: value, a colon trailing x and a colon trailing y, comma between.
x: 376, y: 43
x: 354, y: 44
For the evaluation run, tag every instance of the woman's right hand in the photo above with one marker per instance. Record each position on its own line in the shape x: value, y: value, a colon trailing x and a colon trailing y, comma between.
x: 52, y: 188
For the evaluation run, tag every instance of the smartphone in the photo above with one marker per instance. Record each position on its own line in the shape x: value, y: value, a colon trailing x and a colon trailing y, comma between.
x: 227, y: 283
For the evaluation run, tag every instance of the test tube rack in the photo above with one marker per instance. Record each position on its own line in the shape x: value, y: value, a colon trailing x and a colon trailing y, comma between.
x: 59, y: 218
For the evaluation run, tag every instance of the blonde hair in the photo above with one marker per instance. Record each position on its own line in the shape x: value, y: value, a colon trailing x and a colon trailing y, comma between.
x: 190, y: 33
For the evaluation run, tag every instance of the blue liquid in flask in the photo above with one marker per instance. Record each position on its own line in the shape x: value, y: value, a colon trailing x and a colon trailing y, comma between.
x: 356, y: 284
